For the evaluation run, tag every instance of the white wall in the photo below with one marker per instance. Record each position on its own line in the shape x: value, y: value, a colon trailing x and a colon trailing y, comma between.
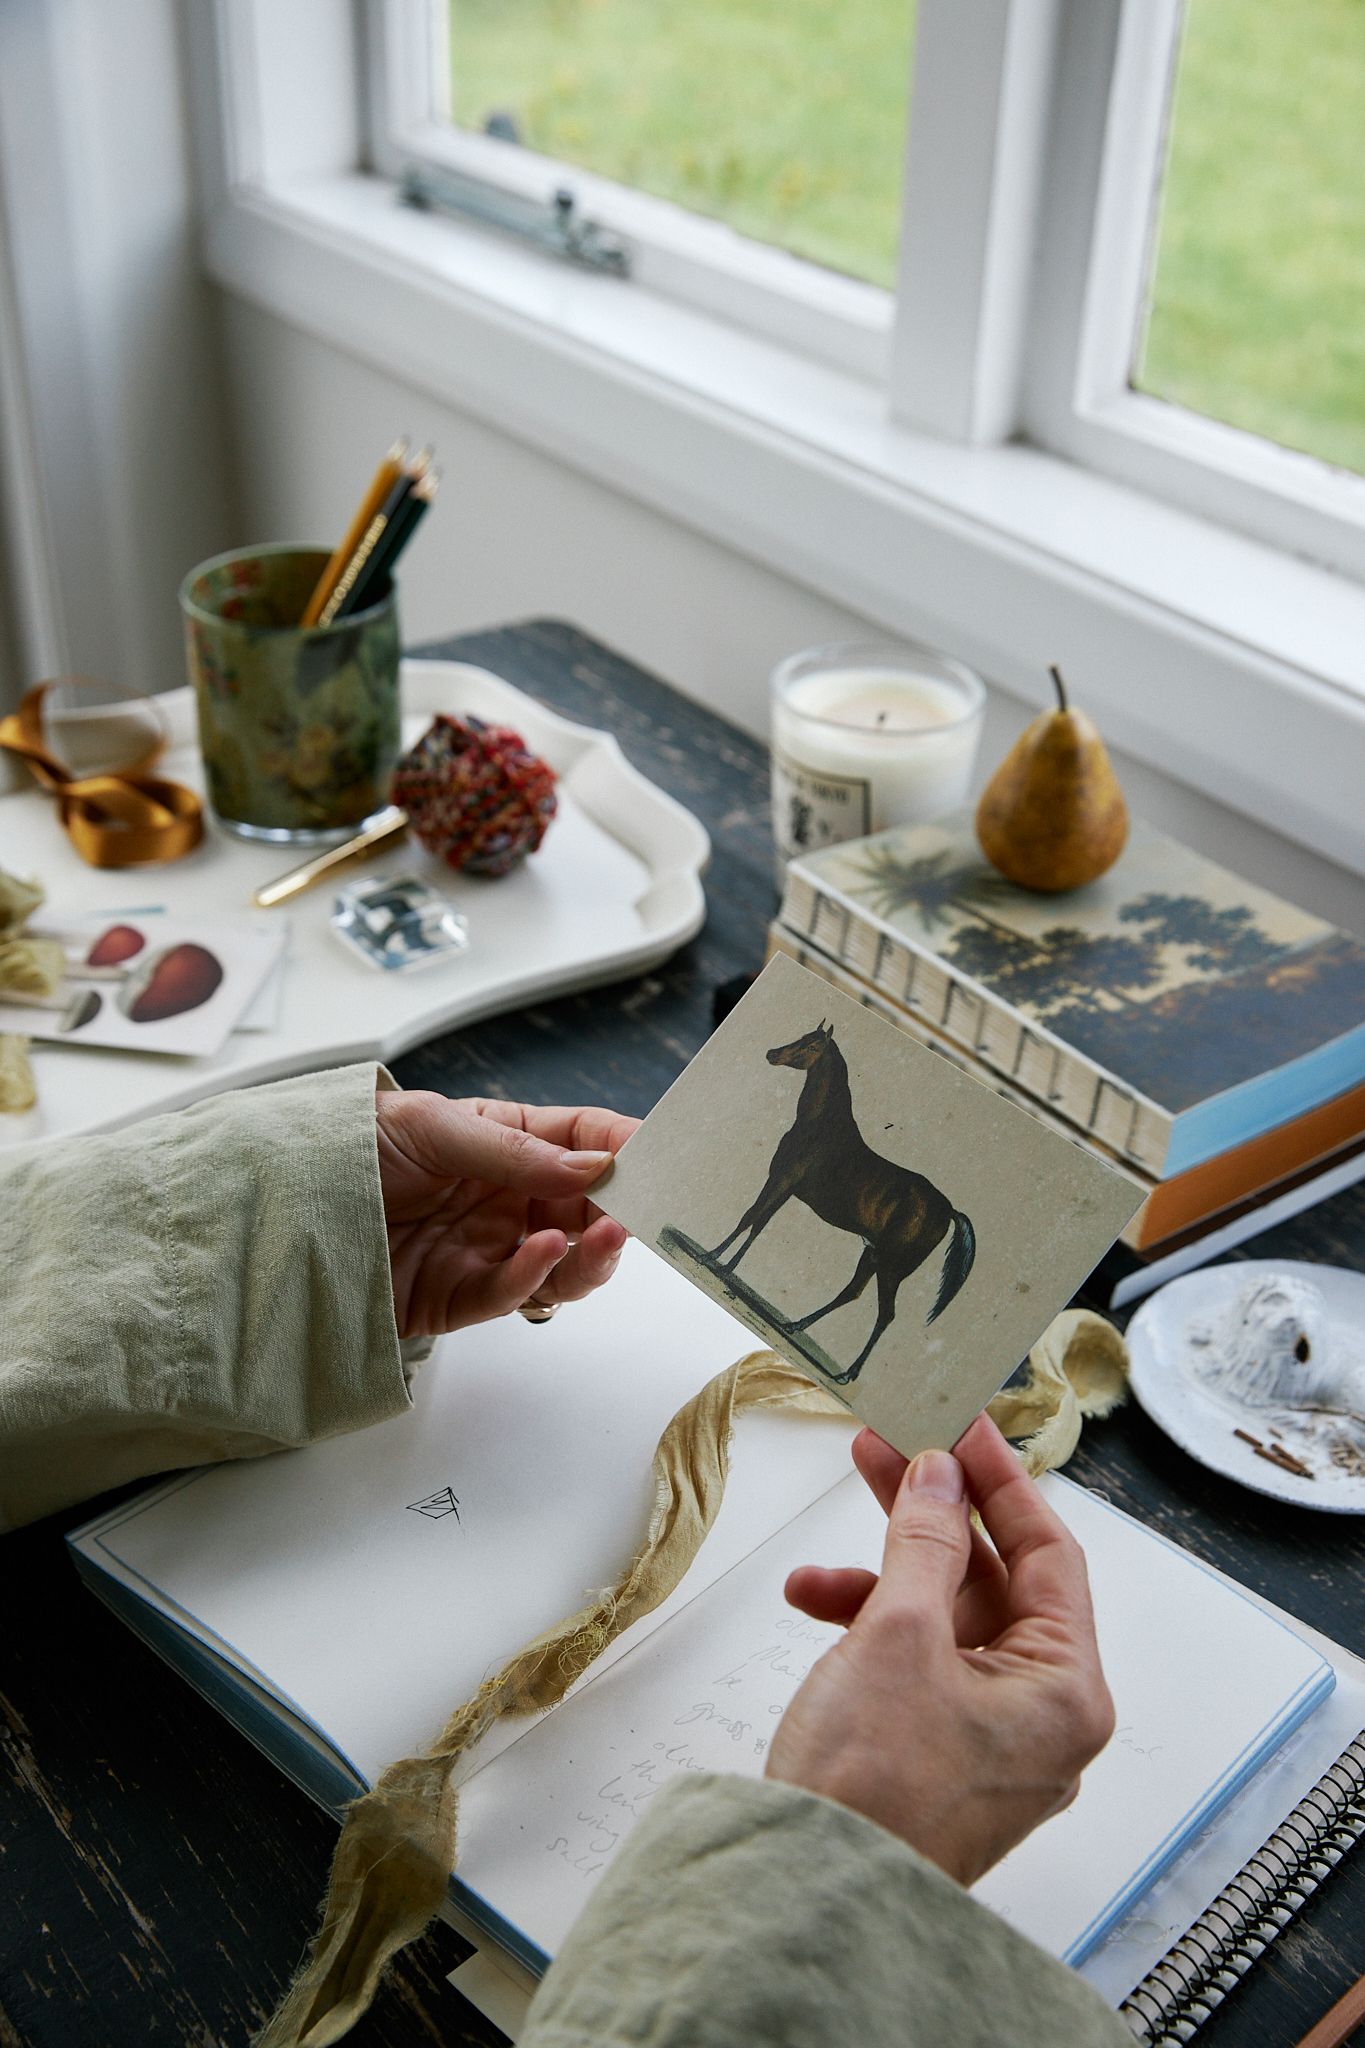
x: 513, y: 536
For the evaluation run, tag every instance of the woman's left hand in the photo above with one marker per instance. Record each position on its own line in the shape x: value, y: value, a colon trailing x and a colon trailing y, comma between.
x: 486, y: 1205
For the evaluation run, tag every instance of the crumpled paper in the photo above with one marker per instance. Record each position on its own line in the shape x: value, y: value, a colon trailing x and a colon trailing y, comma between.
x: 28, y: 966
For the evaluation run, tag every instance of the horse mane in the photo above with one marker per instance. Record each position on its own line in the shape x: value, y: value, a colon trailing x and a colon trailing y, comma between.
x: 830, y: 1071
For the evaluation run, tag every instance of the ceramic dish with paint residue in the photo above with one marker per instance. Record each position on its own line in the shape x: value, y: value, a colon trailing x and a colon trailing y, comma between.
x: 1257, y: 1368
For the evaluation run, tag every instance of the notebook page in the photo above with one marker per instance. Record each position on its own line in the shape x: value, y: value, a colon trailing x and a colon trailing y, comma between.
x: 1205, y: 1684
x: 372, y: 1582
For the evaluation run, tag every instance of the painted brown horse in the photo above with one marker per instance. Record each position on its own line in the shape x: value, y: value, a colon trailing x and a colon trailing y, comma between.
x: 824, y: 1161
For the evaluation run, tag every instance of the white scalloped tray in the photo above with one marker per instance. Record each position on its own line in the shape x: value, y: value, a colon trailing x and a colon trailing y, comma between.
x: 615, y: 889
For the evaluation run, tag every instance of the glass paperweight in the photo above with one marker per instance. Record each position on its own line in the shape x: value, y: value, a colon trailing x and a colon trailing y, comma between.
x: 397, y: 922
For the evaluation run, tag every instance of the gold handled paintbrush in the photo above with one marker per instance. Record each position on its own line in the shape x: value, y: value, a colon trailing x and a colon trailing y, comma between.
x: 388, y: 826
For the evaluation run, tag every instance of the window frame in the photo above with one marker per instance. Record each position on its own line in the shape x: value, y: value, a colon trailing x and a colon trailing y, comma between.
x: 1211, y: 657
x: 1093, y: 282
x: 1035, y: 103
x: 679, y: 254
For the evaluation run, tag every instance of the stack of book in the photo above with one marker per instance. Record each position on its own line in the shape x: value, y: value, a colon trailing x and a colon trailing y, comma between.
x: 1196, y: 1030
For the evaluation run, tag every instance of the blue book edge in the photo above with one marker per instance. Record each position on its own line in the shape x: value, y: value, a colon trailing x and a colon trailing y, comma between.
x: 1272, y: 1736
x: 1214, y: 1126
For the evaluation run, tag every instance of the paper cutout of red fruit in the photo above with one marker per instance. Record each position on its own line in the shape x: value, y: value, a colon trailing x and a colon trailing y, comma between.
x: 119, y: 943
x: 181, y: 979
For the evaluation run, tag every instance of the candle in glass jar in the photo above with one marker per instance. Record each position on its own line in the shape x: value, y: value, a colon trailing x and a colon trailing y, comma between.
x: 869, y: 736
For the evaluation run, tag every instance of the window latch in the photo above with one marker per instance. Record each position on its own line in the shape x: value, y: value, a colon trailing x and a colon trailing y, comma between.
x: 557, y: 225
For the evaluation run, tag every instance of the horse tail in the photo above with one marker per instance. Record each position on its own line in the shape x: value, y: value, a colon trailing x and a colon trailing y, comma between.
x: 957, y: 1263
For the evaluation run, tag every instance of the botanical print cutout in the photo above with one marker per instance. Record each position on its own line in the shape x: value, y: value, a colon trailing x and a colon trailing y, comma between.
x: 884, y: 1222
x: 146, y: 983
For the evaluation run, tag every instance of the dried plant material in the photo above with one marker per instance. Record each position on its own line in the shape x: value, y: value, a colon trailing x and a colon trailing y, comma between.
x: 1347, y: 1456
x: 30, y: 967
x: 1275, y: 1454
x: 17, y: 1090
x: 18, y: 901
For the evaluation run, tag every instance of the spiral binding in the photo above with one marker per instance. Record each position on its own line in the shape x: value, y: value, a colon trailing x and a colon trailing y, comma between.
x: 1198, y: 1971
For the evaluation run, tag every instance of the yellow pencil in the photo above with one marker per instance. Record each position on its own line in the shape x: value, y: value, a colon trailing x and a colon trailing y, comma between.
x: 384, y: 479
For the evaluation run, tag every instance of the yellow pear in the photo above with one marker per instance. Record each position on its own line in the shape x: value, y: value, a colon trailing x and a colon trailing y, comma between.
x: 1052, y: 816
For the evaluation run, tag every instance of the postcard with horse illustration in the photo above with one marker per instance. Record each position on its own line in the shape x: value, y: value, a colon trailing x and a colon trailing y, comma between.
x: 886, y: 1223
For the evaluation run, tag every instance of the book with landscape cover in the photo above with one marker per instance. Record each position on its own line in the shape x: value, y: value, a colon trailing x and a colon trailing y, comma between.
x: 1174, y: 1209
x: 1170, y: 1010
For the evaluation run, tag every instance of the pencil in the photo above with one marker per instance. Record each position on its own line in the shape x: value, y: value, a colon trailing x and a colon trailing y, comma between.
x: 382, y: 482
x: 338, y: 601
x: 382, y: 559
x: 1341, y: 2022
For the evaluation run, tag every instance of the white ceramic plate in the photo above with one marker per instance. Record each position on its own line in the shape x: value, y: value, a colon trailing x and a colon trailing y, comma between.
x: 615, y: 890
x: 1160, y: 1351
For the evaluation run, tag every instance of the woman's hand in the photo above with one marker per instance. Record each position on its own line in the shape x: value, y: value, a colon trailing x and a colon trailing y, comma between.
x: 486, y: 1204
x: 967, y: 1697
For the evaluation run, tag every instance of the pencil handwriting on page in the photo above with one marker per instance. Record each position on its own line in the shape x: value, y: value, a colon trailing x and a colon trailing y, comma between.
x: 1125, y: 1737
x: 725, y: 1723
x: 632, y: 1789
x: 798, y: 1646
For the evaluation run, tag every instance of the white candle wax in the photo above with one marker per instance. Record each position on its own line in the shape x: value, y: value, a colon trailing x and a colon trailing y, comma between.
x: 856, y: 749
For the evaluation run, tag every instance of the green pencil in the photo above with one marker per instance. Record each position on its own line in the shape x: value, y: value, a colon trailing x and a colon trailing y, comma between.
x: 379, y: 563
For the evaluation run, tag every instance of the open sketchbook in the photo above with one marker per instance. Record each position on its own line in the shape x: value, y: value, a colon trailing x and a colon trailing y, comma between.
x: 337, y: 1602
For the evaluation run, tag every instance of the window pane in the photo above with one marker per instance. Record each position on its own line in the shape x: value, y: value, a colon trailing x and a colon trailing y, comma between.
x: 1257, y: 312
x: 784, y: 118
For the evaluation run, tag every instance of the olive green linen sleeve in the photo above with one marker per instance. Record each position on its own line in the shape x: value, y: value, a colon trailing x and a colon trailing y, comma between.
x: 744, y: 1913
x: 205, y: 1285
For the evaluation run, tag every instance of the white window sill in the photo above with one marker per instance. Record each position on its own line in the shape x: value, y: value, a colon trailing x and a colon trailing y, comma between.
x: 1233, y: 667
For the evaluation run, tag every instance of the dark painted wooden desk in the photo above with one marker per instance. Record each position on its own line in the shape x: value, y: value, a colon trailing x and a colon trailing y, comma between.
x: 158, y: 1879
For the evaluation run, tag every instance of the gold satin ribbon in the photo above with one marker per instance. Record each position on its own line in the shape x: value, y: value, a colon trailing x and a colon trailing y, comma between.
x: 397, y: 1848
x: 116, y: 819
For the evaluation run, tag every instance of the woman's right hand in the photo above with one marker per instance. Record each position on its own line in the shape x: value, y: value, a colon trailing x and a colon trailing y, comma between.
x: 966, y: 1698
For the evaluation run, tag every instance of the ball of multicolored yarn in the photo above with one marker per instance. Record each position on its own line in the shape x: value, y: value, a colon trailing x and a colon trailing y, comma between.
x: 475, y: 794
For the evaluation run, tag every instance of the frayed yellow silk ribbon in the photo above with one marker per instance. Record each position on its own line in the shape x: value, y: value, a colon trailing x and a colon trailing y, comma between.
x: 1077, y: 1370
x: 114, y: 820
x: 398, y: 1842
x: 397, y: 1846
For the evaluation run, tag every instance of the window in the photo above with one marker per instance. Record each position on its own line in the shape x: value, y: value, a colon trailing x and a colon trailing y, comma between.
x: 1129, y: 231
x: 783, y: 118
x: 1196, y: 211
x: 999, y: 450
x: 1256, y: 312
